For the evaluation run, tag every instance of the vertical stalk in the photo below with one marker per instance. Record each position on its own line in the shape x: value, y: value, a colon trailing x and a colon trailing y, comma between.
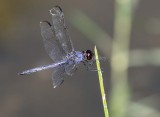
x: 104, y: 101
x: 120, y: 58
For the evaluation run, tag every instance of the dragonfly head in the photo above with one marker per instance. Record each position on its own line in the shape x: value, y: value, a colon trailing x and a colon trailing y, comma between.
x: 88, y: 54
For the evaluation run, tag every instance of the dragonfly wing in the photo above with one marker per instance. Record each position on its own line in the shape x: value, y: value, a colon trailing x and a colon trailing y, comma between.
x: 70, y: 69
x: 51, y: 43
x: 60, y: 28
x: 58, y: 76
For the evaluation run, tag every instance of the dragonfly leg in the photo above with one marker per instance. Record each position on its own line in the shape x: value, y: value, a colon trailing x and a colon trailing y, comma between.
x: 89, y: 67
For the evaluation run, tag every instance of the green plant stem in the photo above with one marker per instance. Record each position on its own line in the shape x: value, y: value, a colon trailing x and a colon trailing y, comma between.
x: 120, y: 95
x: 101, y: 84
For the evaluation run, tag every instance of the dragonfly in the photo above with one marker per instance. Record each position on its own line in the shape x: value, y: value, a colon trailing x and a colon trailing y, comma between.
x: 60, y: 49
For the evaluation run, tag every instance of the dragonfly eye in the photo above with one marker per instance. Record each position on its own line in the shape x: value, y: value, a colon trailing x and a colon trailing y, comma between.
x: 89, y: 54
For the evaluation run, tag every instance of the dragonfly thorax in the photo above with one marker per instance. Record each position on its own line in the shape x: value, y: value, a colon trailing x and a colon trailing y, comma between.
x: 75, y: 57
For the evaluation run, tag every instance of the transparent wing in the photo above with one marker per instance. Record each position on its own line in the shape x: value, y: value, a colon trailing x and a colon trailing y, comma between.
x: 51, y: 43
x: 60, y: 29
x: 58, y: 76
x: 70, y: 69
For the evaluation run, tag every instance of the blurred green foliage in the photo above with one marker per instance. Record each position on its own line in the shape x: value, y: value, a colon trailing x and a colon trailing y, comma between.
x: 121, y: 56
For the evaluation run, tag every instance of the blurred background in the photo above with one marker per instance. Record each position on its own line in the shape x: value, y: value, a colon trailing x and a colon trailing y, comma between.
x: 126, y: 32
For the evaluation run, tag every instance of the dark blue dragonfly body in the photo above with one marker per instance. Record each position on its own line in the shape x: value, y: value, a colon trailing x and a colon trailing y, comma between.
x: 60, y: 49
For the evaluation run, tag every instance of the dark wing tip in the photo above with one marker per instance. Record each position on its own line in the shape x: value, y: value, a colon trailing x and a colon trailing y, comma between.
x: 57, y: 6
x: 20, y: 73
x: 45, y: 22
x: 56, y: 10
x: 45, y: 25
x: 57, y: 84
